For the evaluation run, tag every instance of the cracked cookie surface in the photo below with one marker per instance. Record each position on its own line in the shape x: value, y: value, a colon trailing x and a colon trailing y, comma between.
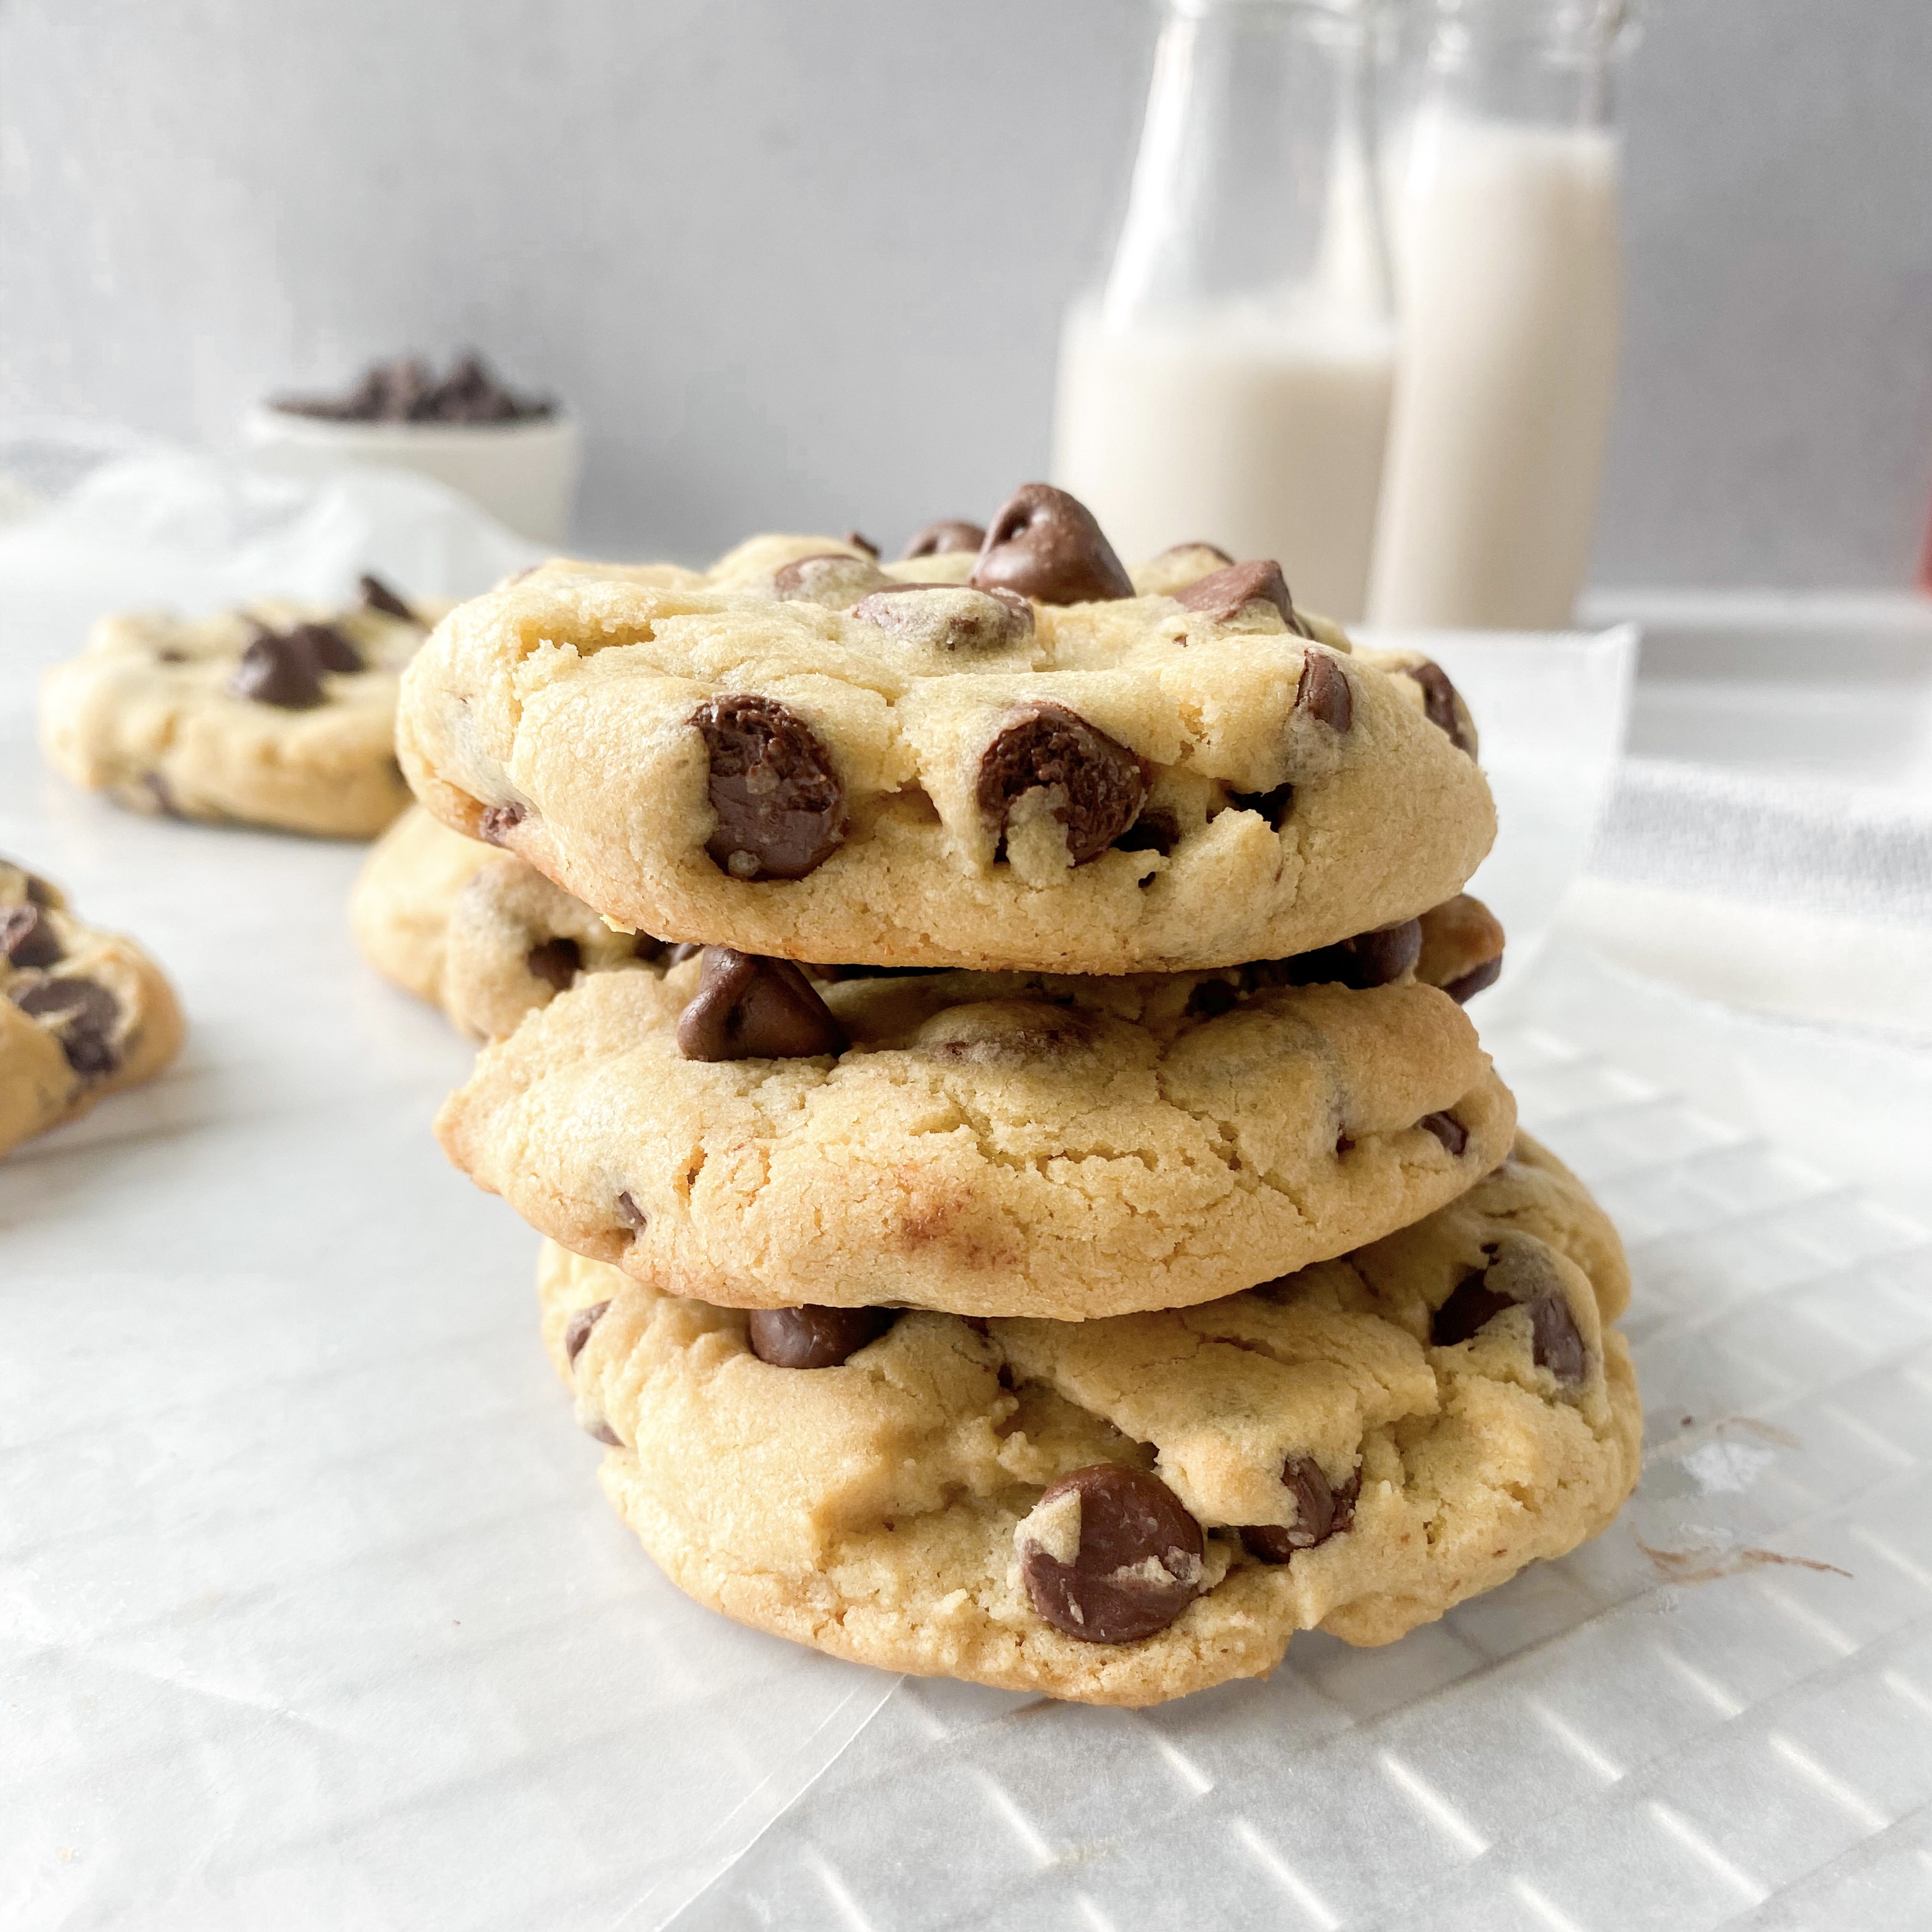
x: 83, y: 1013
x: 985, y: 1144
x: 1355, y: 1451
x: 806, y: 754
x: 278, y: 715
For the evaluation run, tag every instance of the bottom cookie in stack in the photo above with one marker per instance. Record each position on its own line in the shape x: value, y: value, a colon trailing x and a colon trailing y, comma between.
x: 1125, y: 1510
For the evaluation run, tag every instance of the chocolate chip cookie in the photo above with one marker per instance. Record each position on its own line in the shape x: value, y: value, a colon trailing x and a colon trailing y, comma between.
x: 400, y: 906
x: 987, y: 1143
x: 83, y: 1013
x: 1123, y: 1510
x: 278, y: 715
x: 1013, y: 759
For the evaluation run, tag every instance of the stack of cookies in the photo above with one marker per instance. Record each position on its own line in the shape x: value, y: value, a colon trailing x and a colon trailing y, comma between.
x: 982, y: 1035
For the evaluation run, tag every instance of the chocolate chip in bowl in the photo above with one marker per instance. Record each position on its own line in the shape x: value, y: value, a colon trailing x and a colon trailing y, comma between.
x: 515, y: 452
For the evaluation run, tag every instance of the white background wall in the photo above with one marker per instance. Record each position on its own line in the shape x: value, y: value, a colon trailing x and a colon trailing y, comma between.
x: 800, y: 261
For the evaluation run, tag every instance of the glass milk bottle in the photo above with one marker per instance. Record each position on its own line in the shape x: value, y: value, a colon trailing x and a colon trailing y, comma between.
x: 1230, y: 382
x: 1509, y: 281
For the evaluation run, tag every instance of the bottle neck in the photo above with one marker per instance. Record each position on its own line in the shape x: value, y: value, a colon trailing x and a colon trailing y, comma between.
x: 1543, y: 63
x: 1255, y: 186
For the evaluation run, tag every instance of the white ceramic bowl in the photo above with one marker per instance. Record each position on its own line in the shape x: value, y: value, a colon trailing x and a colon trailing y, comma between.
x: 524, y: 474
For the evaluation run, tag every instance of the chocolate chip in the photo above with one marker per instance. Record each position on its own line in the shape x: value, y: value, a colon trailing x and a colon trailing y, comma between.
x: 1212, y: 998
x: 1376, y: 958
x: 1136, y: 1566
x: 1222, y: 594
x: 83, y: 1014
x: 601, y: 1432
x: 750, y: 1008
x: 858, y: 541
x: 1344, y: 1144
x: 628, y: 1212
x: 1100, y: 782
x: 1324, y: 691
x: 644, y: 946
x: 39, y: 892
x: 327, y: 648
x: 404, y: 390
x: 171, y: 657
x: 555, y: 961
x: 376, y: 596
x: 1469, y: 984
x: 952, y: 618
x: 812, y: 1337
x: 781, y: 808
x: 1438, y: 702
x: 1522, y: 1275
x: 1046, y: 545
x: 1320, y: 1512
x: 498, y: 820
x: 578, y: 1332
x: 834, y: 578
x: 1273, y: 805
x: 276, y: 669
x: 1447, y: 1129
x: 950, y: 536
x: 27, y: 937
x: 1156, y: 831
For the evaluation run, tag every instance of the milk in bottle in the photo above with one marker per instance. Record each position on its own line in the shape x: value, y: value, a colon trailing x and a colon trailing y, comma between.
x: 1509, y: 281
x: 1231, y: 381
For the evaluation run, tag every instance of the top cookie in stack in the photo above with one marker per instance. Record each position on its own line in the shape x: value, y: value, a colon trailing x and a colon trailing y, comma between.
x: 1020, y: 757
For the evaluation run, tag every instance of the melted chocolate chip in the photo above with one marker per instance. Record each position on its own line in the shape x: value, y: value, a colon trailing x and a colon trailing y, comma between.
x: 327, y: 649
x: 1046, y: 545
x: 1377, y: 959
x: 1137, y: 1563
x: 1320, y: 1511
x: 781, y: 807
x: 951, y: 618
x: 1438, y: 702
x: 601, y: 1432
x: 1222, y: 594
x: 1447, y: 1129
x: 158, y: 789
x: 1156, y: 831
x: 555, y: 961
x: 1467, y: 984
x: 1046, y: 745
x: 276, y: 669
x: 859, y: 541
x: 1273, y: 805
x: 628, y: 1212
x: 27, y: 937
x: 498, y: 821
x: 39, y: 892
x: 949, y: 536
x: 578, y: 1332
x: 376, y: 596
x: 750, y: 1008
x: 1324, y: 691
x: 812, y: 1337
x: 83, y: 1014
x: 834, y: 578
x: 1521, y: 1276
x: 1212, y: 998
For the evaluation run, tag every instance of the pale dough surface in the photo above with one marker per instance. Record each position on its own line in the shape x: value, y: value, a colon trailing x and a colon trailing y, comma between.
x: 39, y: 1088
x: 988, y: 1145
x: 870, y: 1509
x: 144, y: 714
x: 567, y: 696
